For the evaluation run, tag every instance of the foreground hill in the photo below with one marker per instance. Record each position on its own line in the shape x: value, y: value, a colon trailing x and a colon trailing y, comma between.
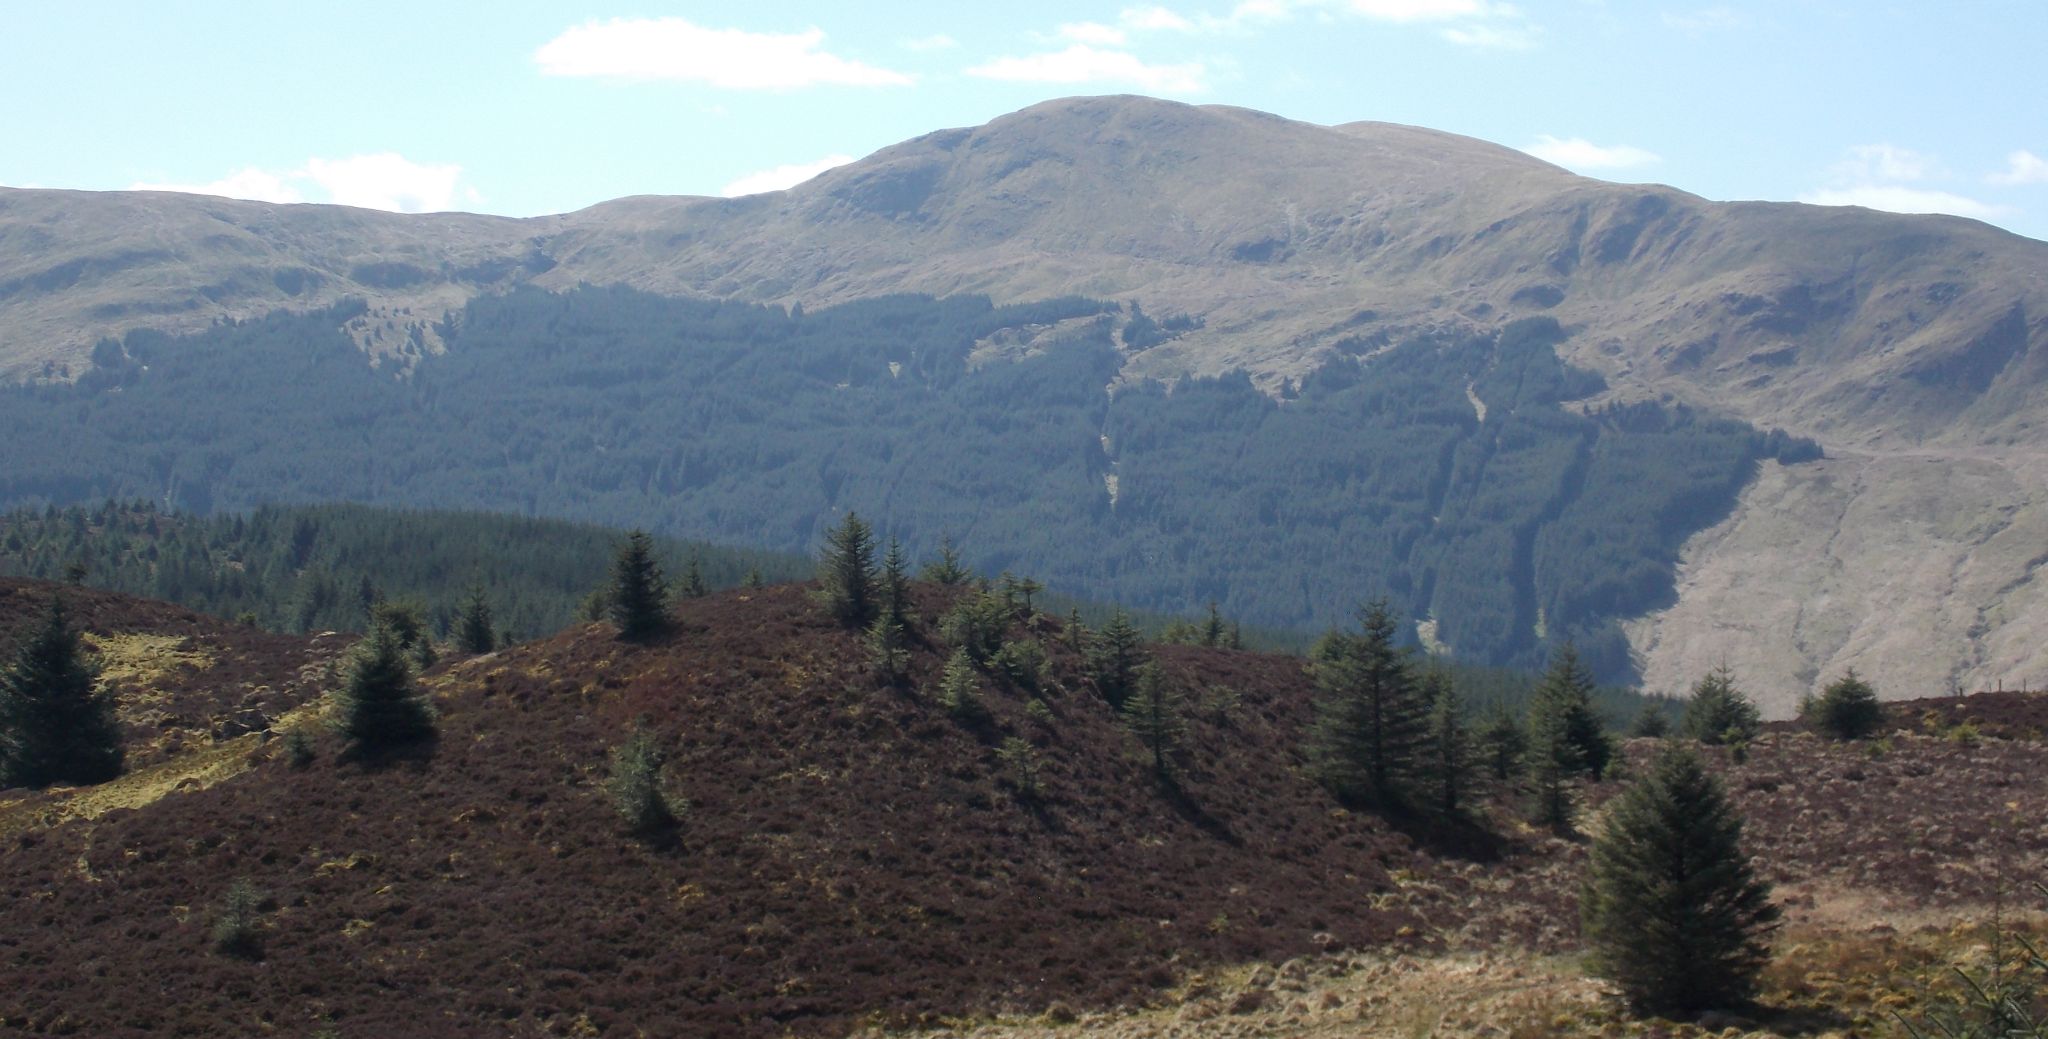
x: 853, y: 854
x: 1909, y: 346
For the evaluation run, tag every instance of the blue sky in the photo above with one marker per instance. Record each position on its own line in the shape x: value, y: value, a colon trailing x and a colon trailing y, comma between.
x: 524, y: 107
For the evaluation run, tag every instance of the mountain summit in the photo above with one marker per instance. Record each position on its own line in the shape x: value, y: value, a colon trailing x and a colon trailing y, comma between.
x: 1909, y: 346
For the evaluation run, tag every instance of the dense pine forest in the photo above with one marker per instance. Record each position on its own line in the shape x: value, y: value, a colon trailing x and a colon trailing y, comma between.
x: 1450, y: 473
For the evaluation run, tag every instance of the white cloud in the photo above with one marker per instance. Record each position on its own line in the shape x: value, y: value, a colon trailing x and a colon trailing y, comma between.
x: 1424, y: 10
x: 1492, y: 37
x: 1577, y: 153
x: 1081, y: 63
x: 1885, y: 162
x: 385, y: 180
x: 676, y: 49
x: 1895, y: 198
x: 1153, y: 19
x: 1094, y: 33
x: 252, y: 184
x: 935, y: 42
x: 781, y: 177
x: 2022, y: 167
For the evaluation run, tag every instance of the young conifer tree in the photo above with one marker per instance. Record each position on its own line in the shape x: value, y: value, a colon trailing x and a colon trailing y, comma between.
x: 1370, y: 715
x: 1847, y: 709
x: 1718, y: 712
x: 693, y: 579
x: 53, y: 727
x: 847, y: 572
x: 946, y: 569
x: 474, y: 633
x: 638, y: 603
x: 1673, y: 912
x: 1448, y: 749
x: 1562, y: 709
x: 1114, y: 655
x: 381, y: 706
x: 1155, y: 712
x: 895, y: 585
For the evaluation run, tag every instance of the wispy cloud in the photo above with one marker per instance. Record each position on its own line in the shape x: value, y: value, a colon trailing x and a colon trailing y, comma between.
x: 1717, y: 18
x: 1093, y: 33
x: 1577, y: 153
x: 1082, y: 63
x: 2022, y: 167
x: 782, y: 177
x: 251, y: 183
x: 1492, y: 37
x: 1888, y: 177
x: 1480, y: 24
x: 1885, y: 162
x: 1898, y: 198
x: 935, y: 42
x: 732, y: 59
x: 385, y: 180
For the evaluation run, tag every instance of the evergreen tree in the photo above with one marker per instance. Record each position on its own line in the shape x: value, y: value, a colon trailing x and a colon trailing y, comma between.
x: 693, y: 579
x: 1673, y: 912
x: 1718, y: 712
x: 886, y: 649
x: 1027, y: 587
x: 638, y: 602
x: 1370, y: 716
x: 1155, y: 714
x: 473, y: 631
x: 1449, y: 745
x: 1076, y: 633
x: 1847, y: 709
x: 847, y: 572
x: 1213, y: 633
x: 895, y: 585
x: 638, y: 787
x: 753, y: 578
x: 960, y: 692
x: 1502, y: 744
x: 1114, y: 656
x: 381, y: 706
x: 1570, y: 730
x: 1650, y: 723
x: 946, y: 569
x: 53, y: 727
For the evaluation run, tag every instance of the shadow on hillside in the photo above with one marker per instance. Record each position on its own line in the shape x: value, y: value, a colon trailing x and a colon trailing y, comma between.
x: 1458, y: 837
x: 413, y: 754
x: 1191, y: 810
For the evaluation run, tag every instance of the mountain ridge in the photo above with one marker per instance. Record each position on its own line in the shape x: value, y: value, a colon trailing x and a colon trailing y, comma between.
x: 1883, y: 336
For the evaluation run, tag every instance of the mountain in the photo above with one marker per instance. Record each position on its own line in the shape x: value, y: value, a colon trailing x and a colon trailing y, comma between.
x: 1905, y: 345
x: 855, y: 855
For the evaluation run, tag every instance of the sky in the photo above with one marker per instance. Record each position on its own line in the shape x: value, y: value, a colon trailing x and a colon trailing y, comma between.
x: 523, y: 108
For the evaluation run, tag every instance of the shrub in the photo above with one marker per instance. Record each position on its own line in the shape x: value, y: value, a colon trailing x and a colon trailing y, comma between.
x: 1020, y: 767
x: 1021, y: 662
x: 959, y: 693
x: 238, y: 924
x: 638, y: 787
x: 1846, y: 710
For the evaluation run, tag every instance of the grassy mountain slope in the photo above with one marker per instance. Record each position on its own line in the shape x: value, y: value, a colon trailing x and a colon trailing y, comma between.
x: 853, y: 854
